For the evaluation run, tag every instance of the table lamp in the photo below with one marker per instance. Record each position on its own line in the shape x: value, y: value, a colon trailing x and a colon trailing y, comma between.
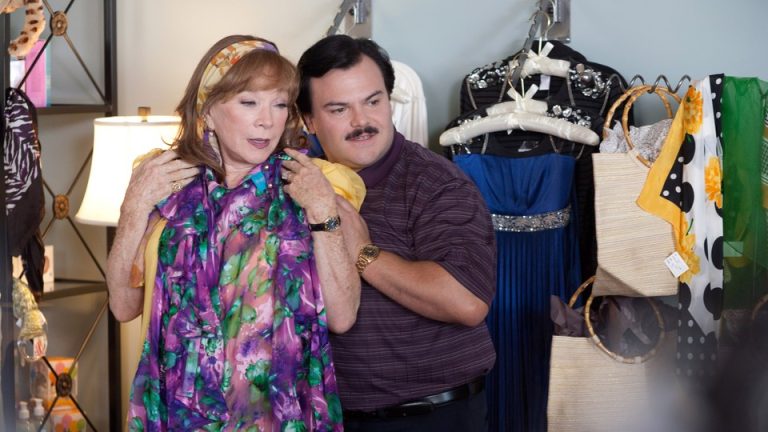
x: 117, y: 142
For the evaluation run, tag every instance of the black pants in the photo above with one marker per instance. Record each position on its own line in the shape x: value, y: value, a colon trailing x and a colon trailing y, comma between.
x: 466, y: 415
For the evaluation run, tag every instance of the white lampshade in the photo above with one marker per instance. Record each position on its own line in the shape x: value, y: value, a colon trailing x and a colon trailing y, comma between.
x: 117, y: 141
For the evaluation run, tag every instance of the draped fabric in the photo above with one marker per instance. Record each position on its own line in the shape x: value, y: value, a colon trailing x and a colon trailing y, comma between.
x: 538, y: 256
x: 743, y: 120
x: 237, y: 336
x: 23, y: 183
x: 684, y: 188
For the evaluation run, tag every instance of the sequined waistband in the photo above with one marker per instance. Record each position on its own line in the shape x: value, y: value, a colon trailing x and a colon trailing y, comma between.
x: 538, y: 222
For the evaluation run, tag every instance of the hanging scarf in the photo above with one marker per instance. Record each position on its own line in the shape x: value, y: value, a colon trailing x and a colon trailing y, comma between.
x: 237, y: 334
x: 23, y: 182
x: 683, y: 187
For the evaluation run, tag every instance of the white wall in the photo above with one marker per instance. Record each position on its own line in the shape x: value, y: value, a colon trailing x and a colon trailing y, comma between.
x: 160, y: 42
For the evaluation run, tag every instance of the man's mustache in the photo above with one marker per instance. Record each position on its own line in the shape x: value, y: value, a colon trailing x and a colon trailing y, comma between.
x: 360, y: 131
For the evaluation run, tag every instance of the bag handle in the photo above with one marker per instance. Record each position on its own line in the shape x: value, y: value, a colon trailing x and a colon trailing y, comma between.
x: 633, y: 94
x: 663, y: 93
x: 596, y: 339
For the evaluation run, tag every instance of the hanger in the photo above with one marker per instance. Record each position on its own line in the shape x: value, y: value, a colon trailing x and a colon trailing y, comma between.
x: 539, y: 63
x: 519, y: 103
x: 519, y: 120
x: 524, y: 113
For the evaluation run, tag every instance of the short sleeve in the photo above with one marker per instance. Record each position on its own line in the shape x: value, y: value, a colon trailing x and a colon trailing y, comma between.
x: 454, y: 229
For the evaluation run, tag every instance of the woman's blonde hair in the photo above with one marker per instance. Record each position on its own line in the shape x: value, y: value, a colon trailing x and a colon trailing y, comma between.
x: 259, y: 69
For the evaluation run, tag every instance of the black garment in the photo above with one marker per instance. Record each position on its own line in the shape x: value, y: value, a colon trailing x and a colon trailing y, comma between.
x: 465, y: 415
x: 23, y: 185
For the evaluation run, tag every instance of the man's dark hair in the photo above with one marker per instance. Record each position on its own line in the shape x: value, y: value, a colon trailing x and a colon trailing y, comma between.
x: 339, y: 52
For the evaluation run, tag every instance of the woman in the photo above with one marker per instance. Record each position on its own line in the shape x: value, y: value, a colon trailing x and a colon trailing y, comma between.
x: 237, y: 335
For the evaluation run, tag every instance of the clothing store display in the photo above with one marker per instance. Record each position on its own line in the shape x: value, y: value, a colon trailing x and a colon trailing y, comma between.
x: 409, y: 106
x: 271, y: 340
x: 684, y: 189
x: 542, y: 188
x: 531, y: 202
x: 23, y: 183
x: 590, y: 92
x: 420, y: 206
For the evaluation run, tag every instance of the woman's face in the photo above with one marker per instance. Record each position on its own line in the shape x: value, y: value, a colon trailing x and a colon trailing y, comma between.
x: 248, y: 127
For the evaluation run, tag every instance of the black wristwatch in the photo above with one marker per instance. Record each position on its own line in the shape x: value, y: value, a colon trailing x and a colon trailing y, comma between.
x: 331, y: 224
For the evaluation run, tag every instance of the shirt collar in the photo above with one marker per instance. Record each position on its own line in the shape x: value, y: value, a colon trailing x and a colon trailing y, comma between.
x: 374, y: 174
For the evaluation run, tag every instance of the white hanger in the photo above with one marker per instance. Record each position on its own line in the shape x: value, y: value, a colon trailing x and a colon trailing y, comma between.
x: 519, y: 103
x: 523, y: 121
x: 539, y: 63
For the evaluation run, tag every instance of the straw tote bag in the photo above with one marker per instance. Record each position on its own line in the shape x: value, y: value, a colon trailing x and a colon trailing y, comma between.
x: 631, y: 244
x: 592, y: 389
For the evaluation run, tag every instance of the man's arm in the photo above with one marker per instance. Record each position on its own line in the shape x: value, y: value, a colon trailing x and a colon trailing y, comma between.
x: 426, y: 288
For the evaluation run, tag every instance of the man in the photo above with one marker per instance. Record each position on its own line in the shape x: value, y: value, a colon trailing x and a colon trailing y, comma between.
x: 416, y: 358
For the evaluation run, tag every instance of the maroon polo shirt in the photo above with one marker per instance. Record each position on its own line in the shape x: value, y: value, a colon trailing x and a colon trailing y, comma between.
x: 422, y: 207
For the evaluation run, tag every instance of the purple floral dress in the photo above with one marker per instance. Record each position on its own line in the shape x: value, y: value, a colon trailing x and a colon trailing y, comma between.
x: 237, y: 335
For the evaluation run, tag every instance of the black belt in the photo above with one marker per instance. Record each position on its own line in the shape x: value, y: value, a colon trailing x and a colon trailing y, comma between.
x: 422, y: 405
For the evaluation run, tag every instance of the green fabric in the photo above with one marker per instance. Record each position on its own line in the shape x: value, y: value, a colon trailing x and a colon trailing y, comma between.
x: 745, y: 249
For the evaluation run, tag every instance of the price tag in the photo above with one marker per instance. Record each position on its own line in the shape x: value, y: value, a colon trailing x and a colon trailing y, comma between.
x: 676, y: 264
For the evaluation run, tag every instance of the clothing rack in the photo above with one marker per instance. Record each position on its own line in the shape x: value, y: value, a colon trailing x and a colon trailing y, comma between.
x: 359, y: 10
x: 638, y: 80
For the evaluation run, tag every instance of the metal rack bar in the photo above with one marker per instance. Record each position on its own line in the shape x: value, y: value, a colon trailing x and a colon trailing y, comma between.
x: 359, y: 9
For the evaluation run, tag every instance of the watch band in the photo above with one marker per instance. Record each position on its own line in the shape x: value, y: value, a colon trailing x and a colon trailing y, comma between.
x: 366, y: 256
x: 331, y: 224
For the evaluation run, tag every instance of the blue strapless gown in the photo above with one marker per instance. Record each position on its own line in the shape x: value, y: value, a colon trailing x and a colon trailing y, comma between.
x: 531, y: 267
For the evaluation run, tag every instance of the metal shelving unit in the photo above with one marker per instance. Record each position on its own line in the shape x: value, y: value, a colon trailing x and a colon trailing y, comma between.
x: 64, y: 289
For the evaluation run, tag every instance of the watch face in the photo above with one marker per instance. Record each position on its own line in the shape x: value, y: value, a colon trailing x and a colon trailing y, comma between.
x: 332, y: 223
x: 370, y: 251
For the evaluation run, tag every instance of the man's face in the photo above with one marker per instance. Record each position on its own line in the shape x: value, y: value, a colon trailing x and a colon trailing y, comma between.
x: 351, y: 115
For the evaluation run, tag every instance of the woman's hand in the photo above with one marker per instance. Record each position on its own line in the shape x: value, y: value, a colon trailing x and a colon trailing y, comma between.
x: 151, y: 181
x: 158, y: 175
x: 307, y: 185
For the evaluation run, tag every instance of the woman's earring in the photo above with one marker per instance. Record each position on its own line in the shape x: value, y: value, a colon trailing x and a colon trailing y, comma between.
x: 210, y: 144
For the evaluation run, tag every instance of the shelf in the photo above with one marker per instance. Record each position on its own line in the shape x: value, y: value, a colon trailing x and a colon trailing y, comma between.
x: 72, y: 288
x: 74, y: 109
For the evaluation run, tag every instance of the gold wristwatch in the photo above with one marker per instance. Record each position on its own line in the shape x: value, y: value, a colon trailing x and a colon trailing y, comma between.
x: 367, y: 255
